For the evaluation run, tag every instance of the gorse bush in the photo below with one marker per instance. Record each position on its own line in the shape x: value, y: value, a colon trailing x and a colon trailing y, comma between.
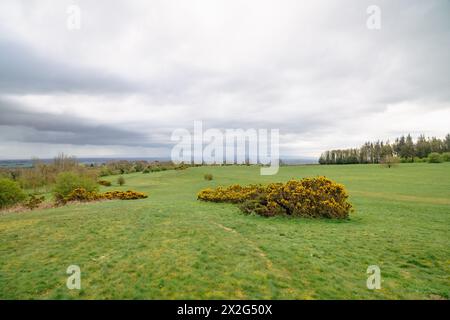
x: 232, y: 194
x: 66, y: 182
x: 309, y: 197
x: 124, y: 195
x: 10, y: 193
x: 208, y: 177
x: 81, y: 194
x: 33, y: 202
x: 104, y: 183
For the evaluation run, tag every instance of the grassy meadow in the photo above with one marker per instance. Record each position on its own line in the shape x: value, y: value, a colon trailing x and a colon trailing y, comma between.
x: 171, y: 246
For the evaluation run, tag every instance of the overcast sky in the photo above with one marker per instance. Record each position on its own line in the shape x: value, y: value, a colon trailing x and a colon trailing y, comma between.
x: 137, y: 70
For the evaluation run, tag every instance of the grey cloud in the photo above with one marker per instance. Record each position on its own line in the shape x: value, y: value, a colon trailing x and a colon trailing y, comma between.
x: 20, y: 124
x: 23, y: 71
x: 319, y: 75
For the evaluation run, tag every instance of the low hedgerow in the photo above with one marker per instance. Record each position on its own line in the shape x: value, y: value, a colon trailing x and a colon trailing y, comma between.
x: 310, y: 197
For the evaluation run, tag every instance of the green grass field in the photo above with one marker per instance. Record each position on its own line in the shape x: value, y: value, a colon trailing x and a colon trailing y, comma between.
x: 171, y: 246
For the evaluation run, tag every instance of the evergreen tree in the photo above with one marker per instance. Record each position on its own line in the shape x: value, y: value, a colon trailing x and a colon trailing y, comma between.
x: 379, y: 151
x: 447, y: 143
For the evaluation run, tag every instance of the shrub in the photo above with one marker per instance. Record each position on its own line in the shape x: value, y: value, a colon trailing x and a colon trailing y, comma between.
x: 66, y: 182
x: 124, y: 195
x: 10, y: 193
x: 83, y: 195
x: 434, y: 157
x: 309, y: 197
x: 232, y: 194
x: 104, y: 183
x: 390, y: 161
x: 208, y: 177
x: 258, y: 205
x: 121, y: 181
x: 446, y: 156
x: 33, y: 202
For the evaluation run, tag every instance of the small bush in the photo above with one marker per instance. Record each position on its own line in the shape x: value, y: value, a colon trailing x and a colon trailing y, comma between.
x: 10, y: 193
x: 66, y: 182
x: 181, y: 166
x: 105, y: 172
x: 446, y: 156
x: 104, y: 183
x: 309, y: 197
x: 33, y: 202
x: 434, y: 157
x: 390, y: 161
x: 208, y: 177
x: 121, y: 181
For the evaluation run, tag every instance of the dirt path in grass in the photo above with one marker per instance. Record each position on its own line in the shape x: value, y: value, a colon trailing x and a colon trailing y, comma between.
x: 269, y: 264
x: 275, y: 272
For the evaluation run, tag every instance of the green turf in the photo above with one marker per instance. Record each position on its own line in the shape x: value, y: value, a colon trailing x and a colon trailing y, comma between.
x: 171, y: 246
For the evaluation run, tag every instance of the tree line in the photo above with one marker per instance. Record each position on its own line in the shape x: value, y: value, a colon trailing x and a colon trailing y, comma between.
x: 403, y: 147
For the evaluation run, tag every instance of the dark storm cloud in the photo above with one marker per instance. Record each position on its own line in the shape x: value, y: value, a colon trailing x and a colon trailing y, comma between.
x: 17, y: 123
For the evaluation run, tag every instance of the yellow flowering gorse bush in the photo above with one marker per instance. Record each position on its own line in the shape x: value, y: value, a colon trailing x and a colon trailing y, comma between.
x: 309, y: 197
x: 81, y: 194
